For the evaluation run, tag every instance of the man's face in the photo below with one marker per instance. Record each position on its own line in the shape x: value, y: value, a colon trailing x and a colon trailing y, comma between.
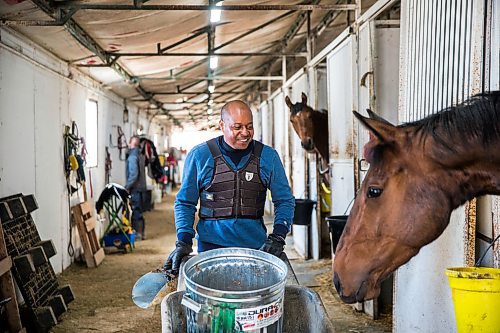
x: 237, y: 127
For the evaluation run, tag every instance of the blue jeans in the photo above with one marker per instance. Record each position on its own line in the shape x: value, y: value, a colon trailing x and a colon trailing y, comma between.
x: 137, y: 217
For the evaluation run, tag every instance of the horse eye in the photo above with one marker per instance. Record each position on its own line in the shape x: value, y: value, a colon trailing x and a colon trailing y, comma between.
x: 374, y: 192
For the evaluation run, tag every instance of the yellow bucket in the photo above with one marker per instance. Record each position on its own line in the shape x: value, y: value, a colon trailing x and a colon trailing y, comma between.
x: 476, y: 297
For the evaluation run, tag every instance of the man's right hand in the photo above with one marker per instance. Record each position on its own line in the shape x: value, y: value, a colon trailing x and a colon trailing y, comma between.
x: 175, y: 258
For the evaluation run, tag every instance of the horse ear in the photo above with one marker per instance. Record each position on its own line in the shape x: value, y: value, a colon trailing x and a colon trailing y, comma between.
x: 288, y: 102
x: 373, y: 115
x: 304, y: 99
x: 380, y: 128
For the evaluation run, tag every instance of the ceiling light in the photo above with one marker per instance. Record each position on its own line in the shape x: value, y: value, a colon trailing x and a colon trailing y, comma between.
x: 215, y: 13
x: 211, y: 88
x: 179, y: 100
x: 210, y: 101
x: 214, y: 61
x: 210, y: 111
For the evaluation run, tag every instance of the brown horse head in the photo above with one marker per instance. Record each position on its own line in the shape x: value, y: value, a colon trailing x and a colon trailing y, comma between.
x: 419, y: 172
x: 311, y: 126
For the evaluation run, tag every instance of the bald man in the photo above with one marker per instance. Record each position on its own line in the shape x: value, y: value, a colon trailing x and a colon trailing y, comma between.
x: 229, y: 176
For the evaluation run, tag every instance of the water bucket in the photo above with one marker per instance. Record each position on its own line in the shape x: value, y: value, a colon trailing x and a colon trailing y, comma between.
x: 303, y: 211
x: 336, y: 225
x: 476, y: 298
x: 234, y: 290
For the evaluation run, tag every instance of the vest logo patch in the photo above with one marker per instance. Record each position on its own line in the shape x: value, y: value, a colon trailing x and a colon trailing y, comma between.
x: 248, y: 176
x: 210, y: 196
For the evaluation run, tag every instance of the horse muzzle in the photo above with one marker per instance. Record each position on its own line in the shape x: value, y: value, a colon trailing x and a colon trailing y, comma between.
x: 307, y: 144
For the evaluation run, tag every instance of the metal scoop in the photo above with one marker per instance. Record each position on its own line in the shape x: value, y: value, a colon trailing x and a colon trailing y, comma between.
x: 150, y: 288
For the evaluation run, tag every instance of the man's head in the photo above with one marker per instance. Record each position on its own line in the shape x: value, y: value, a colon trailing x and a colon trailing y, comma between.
x: 237, y: 124
x: 134, y: 142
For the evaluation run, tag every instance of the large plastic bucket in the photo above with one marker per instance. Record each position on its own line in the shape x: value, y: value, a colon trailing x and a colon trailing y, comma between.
x: 336, y: 225
x: 476, y: 298
x: 303, y: 211
x: 234, y: 290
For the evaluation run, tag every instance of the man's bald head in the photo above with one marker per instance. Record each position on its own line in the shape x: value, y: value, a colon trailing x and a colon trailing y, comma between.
x: 237, y: 124
x: 232, y: 107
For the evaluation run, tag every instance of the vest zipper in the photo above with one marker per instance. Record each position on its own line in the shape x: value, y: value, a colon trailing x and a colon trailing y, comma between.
x: 237, y: 203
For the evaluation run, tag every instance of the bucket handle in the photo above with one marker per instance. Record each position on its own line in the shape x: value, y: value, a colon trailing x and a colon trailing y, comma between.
x: 486, y: 251
x: 191, y: 304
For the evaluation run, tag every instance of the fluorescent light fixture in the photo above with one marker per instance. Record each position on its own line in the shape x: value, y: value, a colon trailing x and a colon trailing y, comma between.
x: 215, y: 13
x: 214, y: 61
x: 211, y: 88
x: 210, y: 101
x: 210, y: 111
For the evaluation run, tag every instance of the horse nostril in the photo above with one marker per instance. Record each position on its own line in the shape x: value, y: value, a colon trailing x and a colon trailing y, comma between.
x: 336, y: 283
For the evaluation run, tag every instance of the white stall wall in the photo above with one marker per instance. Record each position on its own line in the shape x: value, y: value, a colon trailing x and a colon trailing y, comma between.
x: 300, y: 232
x: 36, y: 101
x: 267, y: 138
x: 281, y: 119
x: 440, y: 66
x: 298, y: 153
x: 340, y: 121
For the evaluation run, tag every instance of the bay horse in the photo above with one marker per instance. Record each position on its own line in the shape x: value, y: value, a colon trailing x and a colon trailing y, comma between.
x: 311, y: 127
x: 419, y: 172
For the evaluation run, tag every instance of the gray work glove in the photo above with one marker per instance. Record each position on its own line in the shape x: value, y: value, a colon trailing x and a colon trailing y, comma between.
x: 274, y: 244
x: 174, y: 260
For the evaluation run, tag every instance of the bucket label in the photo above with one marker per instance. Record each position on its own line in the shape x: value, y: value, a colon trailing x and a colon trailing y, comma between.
x: 254, y: 318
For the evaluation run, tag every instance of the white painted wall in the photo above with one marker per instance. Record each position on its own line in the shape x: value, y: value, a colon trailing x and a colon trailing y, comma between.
x: 340, y: 124
x: 267, y: 138
x: 36, y: 100
x: 298, y: 160
x: 298, y: 153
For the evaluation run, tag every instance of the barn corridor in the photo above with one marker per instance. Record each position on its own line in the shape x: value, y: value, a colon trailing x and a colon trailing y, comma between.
x: 103, y: 295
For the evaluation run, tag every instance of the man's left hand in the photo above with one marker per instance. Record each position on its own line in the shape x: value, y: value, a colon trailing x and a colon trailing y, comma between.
x: 274, y: 244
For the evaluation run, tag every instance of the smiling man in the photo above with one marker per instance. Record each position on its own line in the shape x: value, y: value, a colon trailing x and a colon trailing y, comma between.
x: 229, y: 176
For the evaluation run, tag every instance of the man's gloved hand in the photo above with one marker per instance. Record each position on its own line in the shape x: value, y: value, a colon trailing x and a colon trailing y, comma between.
x: 274, y: 244
x: 175, y: 258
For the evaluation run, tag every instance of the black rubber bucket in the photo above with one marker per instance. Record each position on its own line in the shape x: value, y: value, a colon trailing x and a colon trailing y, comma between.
x: 303, y: 211
x: 336, y: 225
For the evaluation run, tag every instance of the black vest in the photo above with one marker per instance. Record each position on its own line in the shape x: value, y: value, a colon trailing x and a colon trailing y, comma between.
x: 234, y: 193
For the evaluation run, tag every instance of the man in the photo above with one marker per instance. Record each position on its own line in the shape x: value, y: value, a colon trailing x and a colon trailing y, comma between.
x: 136, y: 184
x: 230, y: 176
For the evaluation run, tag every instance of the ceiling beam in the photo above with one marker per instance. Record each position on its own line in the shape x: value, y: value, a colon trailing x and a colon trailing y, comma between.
x: 206, y: 54
x: 254, y: 30
x: 83, y: 38
x: 93, y: 6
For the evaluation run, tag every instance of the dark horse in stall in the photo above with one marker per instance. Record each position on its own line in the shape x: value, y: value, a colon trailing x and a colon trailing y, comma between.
x: 419, y: 172
x: 311, y: 127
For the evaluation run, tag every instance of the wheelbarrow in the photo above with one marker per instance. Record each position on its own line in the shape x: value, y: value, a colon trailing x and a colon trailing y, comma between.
x: 303, y: 310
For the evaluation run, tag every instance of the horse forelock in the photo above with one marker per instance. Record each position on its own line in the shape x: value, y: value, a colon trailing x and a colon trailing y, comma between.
x: 296, y: 108
x: 475, y: 120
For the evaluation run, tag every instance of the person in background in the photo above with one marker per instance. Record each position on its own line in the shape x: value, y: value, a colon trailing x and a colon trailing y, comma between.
x: 172, y: 165
x: 136, y: 185
x: 230, y: 176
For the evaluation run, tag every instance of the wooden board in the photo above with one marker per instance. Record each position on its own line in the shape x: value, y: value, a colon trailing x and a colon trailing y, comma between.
x: 85, y: 221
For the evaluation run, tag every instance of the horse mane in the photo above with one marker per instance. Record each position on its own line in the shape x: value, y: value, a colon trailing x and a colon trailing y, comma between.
x: 476, y: 119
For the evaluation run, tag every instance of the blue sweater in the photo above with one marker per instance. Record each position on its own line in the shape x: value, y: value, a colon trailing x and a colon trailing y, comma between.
x: 238, y: 232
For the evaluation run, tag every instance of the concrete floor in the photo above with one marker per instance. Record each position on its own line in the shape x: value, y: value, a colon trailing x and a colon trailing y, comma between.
x: 103, y: 295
